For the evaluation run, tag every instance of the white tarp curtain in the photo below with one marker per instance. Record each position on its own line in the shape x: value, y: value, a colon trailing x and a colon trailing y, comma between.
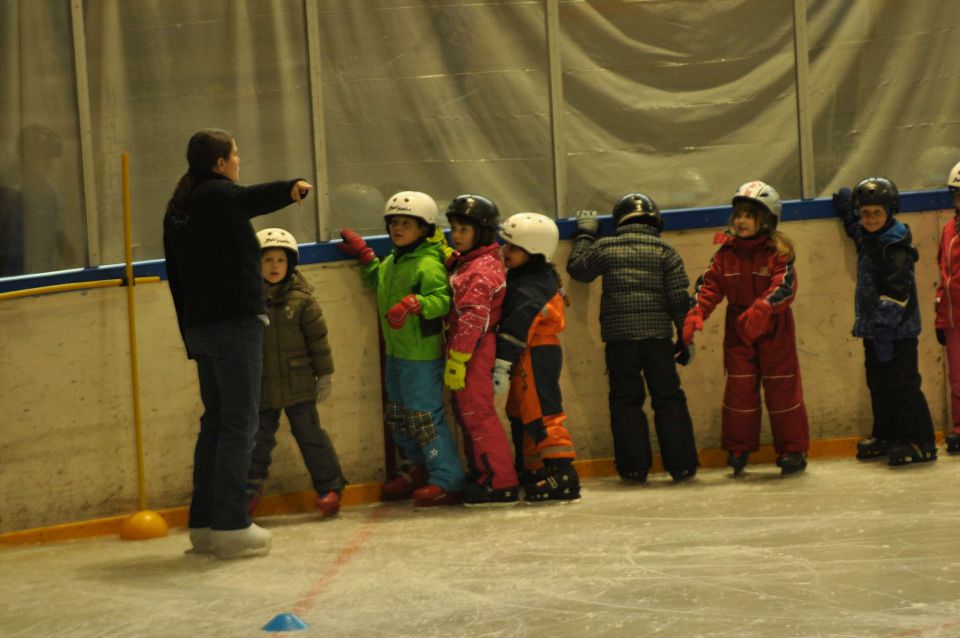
x: 41, y: 186
x: 682, y: 99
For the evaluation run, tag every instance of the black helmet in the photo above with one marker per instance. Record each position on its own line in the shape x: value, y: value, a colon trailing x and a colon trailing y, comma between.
x: 637, y: 206
x: 476, y: 208
x: 877, y: 191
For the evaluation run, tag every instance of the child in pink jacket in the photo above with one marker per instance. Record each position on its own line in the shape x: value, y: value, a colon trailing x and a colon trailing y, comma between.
x: 479, y: 285
x: 948, y: 305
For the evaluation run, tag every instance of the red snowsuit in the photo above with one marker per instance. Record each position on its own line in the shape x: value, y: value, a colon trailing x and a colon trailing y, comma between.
x: 479, y: 285
x: 759, y: 286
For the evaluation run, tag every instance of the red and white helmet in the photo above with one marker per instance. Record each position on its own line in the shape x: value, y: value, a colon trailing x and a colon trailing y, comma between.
x: 412, y: 204
x: 534, y: 232
x: 763, y: 194
x: 953, y: 179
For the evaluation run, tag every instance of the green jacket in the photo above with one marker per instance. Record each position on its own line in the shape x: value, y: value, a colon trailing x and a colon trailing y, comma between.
x: 421, y: 272
x: 295, y: 347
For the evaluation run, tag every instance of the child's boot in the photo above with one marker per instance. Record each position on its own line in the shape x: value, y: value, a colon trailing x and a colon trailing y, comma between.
x: 738, y: 461
x: 791, y: 463
x: 402, y: 487
x: 907, y: 453
x: 635, y: 476
x: 328, y: 504
x: 254, y: 489
x: 560, y: 484
x: 872, y: 448
x: 679, y: 476
x: 476, y: 495
x: 237, y: 543
x: 431, y: 495
x: 531, y: 477
x: 953, y: 442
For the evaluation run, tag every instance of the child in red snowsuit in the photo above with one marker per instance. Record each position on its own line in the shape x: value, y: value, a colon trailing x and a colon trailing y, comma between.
x: 529, y: 358
x: 948, y: 305
x: 479, y: 284
x: 754, y: 270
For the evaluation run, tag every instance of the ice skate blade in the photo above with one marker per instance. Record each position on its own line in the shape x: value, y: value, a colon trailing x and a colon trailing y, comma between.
x: 552, y: 501
x: 492, y: 504
x: 912, y: 463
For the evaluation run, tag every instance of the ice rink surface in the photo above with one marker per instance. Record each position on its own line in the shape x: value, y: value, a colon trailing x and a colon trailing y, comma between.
x: 846, y: 549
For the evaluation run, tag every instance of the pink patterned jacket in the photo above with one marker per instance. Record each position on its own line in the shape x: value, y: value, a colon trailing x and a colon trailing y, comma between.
x: 479, y: 284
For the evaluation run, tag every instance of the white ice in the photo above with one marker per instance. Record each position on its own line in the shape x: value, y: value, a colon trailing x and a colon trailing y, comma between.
x: 846, y: 550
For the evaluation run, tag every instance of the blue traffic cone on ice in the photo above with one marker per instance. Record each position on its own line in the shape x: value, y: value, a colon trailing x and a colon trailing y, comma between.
x: 285, y: 622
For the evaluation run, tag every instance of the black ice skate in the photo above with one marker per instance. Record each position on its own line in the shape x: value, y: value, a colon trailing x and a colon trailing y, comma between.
x: 679, y: 476
x: 634, y: 476
x: 476, y: 495
x: 953, y: 443
x: 561, y: 484
x: 738, y: 461
x: 529, y: 477
x: 871, y: 448
x: 791, y: 463
x: 908, y: 453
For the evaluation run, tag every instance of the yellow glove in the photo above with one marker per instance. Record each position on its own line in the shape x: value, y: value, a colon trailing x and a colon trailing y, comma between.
x: 455, y: 374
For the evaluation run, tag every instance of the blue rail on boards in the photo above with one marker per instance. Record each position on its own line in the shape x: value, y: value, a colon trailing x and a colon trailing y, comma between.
x: 684, y: 219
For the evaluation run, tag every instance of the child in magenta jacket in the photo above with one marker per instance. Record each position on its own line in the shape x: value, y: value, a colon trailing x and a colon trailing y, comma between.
x: 948, y: 305
x: 478, y: 281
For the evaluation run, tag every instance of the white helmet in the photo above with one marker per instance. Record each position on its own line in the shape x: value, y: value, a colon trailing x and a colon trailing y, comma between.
x: 763, y: 194
x: 953, y: 179
x: 413, y: 204
x: 535, y: 233
x: 277, y: 238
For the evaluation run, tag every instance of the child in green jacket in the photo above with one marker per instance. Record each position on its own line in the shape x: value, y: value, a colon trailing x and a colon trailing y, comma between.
x: 413, y: 296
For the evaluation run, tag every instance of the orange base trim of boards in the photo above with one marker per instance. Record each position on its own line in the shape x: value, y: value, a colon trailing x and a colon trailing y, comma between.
x: 302, y: 502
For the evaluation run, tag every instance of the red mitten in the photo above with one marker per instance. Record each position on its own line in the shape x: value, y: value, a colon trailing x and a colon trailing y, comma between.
x: 354, y: 245
x: 397, y: 316
x: 692, y: 323
x: 754, y: 320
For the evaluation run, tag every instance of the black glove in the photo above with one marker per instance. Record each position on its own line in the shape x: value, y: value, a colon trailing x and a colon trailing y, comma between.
x: 941, y: 338
x: 883, y: 350
x: 682, y: 353
x: 843, y: 202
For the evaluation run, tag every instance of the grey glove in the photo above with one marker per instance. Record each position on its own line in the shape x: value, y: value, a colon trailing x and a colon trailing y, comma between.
x: 587, y: 222
x: 324, y: 385
x: 501, y: 376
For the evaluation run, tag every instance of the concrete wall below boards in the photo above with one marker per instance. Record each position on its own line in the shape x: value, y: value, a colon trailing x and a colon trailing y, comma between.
x: 67, y: 445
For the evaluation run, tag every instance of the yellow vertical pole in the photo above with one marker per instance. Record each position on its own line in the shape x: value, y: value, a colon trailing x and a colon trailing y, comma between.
x: 132, y: 320
x: 144, y: 524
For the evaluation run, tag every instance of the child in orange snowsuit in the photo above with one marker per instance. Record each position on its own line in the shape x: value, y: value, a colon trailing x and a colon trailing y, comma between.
x: 527, y: 343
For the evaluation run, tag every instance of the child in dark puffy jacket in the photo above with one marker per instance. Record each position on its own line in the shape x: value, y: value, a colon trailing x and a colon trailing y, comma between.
x: 948, y: 305
x: 644, y: 300
x: 888, y: 321
x: 297, y: 373
x: 529, y: 359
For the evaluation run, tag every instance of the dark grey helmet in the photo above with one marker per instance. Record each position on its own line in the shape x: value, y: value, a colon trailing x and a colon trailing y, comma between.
x: 475, y: 208
x: 637, y: 205
x: 877, y: 191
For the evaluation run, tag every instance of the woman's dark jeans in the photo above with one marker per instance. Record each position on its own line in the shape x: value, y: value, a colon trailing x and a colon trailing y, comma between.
x: 229, y: 359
